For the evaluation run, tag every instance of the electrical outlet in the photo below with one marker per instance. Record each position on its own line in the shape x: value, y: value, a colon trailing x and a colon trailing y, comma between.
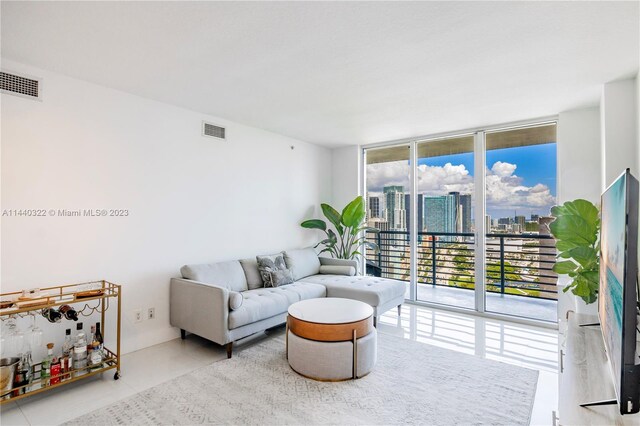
x: 151, y: 314
x: 137, y: 315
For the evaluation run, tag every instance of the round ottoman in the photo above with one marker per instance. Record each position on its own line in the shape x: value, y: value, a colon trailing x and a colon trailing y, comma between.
x: 331, y: 339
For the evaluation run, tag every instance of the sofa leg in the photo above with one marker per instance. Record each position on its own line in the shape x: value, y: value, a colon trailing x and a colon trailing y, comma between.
x: 229, y: 347
x: 375, y: 321
x: 399, y: 310
x: 183, y: 334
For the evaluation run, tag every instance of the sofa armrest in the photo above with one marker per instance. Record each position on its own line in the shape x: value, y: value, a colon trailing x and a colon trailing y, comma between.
x: 200, y: 308
x: 339, y: 262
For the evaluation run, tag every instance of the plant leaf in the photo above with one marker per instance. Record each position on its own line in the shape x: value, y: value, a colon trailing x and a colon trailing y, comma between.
x: 354, y: 213
x: 314, y: 224
x: 564, y: 267
x: 565, y: 245
x: 583, y: 208
x: 333, y: 216
x: 584, y: 288
x: 584, y: 255
x: 574, y: 229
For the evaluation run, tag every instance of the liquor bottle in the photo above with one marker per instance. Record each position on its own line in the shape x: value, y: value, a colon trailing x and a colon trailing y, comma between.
x: 67, y: 350
x: 80, y: 351
x: 55, y: 371
x: 90, y: 342
x: 98, y: 336
x: 45, y: 367
x: 68, y: 312
x: 23, y: 374
x: 97, y: 354
x: 52, y: 315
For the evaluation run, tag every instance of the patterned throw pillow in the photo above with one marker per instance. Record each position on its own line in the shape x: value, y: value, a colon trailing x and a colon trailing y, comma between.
x: 281, y: 277
x: 273, y: 270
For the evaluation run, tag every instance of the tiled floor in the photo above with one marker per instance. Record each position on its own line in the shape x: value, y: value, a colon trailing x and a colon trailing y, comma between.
x: 512, y: 343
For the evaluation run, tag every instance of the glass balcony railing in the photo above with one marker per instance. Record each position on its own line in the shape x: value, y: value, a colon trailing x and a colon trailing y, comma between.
x: 516, y: 264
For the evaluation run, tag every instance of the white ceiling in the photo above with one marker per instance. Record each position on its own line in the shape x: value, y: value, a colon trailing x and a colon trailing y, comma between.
x: 338, y: 73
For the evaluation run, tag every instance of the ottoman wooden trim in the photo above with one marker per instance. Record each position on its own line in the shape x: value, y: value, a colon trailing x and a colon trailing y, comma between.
x: 329, y: 332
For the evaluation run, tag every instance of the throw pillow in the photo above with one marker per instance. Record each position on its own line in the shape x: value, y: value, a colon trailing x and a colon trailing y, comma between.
x: 281, y: 277
x: 269, y: 264
x: 338, y: 270
x: 235, y: 300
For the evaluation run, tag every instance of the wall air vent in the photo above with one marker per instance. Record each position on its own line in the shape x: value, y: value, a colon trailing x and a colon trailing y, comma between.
x: 213, y: 131
x: 19, y: 85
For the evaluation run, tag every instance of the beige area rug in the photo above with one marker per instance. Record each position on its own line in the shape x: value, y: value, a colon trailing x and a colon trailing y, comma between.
x: 413, y: 383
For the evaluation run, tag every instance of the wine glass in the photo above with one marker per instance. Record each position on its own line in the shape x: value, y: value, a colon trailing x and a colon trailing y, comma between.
x: 13, y: 344
x: 35, y: 334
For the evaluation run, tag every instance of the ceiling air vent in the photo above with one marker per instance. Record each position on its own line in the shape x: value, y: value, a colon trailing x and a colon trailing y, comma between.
x: 213, y: 131
x: 19, y: 85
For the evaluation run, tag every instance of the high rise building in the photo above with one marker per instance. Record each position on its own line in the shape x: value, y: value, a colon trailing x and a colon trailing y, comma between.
x: 394, y: 206
x: 505, y: 221
x: 407, y: 213
x: 520, y: 220
x: 465, y: 212
x: 440, y: 213
x: 373, y: 207
x: 535, y: 217
x: 487, y: 223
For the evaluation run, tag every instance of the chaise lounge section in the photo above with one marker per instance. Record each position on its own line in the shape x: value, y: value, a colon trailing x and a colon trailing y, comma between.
x: 227, y: 301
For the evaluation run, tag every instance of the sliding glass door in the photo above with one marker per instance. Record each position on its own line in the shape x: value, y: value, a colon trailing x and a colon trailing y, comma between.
x: 463, y: 219
x: 445, y: 235
x: 520, y: 191
x: 388, y: 197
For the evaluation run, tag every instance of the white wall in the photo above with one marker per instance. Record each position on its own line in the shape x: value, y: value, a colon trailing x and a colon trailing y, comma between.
x: 579, y: 157
x: 618, y: 129
x: 346, y: 175
x: 579, y: 176
x: 638, y: 121
x: 190, y: 199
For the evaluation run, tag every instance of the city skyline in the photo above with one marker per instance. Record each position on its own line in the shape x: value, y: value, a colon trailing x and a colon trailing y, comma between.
x: 520, y: 181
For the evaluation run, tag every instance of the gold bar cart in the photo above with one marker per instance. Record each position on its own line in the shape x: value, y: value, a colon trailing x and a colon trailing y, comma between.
x: 102, y: 293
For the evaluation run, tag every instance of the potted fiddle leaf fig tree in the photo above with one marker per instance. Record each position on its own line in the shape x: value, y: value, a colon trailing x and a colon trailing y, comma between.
x: 577, y: 231
x: 348, y: 234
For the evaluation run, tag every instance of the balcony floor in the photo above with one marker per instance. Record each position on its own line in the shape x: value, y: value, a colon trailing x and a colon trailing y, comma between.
x: 527, y: 307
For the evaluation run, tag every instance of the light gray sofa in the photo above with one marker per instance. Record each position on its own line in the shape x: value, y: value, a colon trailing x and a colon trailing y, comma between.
x: 226, y: 301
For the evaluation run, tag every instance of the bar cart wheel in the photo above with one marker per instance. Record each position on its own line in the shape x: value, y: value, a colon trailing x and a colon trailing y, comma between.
x: 116, y: 376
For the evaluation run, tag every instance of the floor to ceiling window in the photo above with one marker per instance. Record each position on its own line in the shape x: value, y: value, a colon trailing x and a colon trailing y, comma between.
x: 442, y: 203
x: 445, y: 246
x: 388, y: 209
x: 520, y: 190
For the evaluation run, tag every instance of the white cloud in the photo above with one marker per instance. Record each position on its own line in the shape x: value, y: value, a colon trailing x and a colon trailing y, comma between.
x: 503, y: 169
x: 505, y: 190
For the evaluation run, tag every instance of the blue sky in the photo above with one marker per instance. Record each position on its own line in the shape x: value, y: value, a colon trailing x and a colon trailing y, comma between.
x: 535, y: 164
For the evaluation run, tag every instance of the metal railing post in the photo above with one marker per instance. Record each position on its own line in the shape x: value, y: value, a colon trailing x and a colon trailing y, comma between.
x: 502, y: 265
x: 379, y: 242
x: 433, y: 259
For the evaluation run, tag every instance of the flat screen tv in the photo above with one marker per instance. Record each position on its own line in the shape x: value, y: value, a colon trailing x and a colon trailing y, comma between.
x: 618, y: 292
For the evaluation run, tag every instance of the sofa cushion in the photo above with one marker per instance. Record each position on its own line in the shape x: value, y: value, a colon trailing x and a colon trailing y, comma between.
x: 224, y: 274
x: 337, y: 270
x: 250, y: 266
x: 303, y: 262
x: 265, y: 303
x: 235, y: 300
x: 261, y: 303
x: 307, y: 290
x: 372, y: 290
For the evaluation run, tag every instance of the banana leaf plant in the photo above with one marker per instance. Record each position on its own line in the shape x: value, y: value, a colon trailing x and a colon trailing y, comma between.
x: 348, y: 237
x: 577, y: 230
